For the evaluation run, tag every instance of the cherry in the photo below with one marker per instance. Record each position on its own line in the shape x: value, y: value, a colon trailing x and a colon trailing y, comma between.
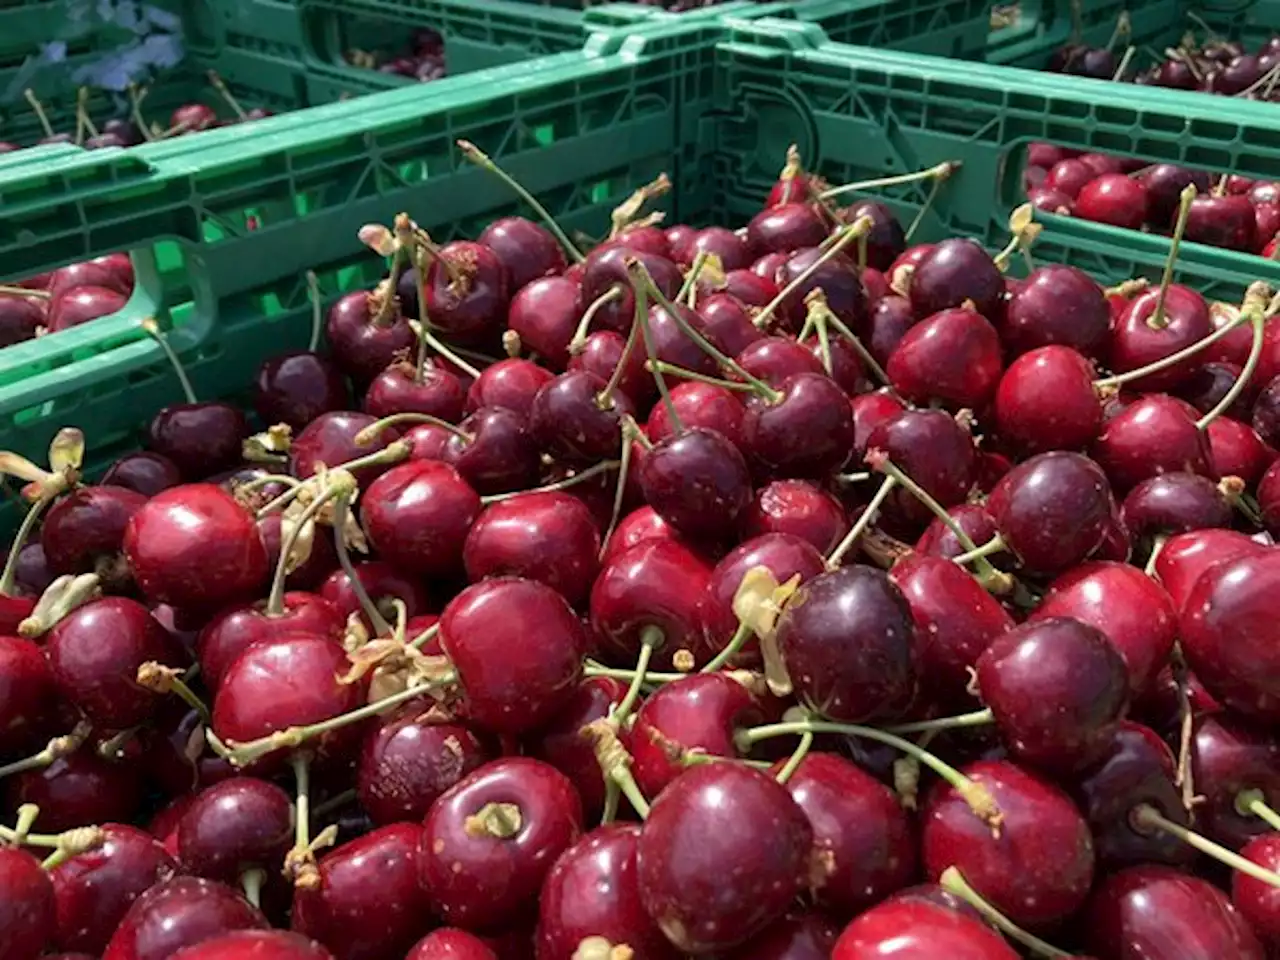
x: 448, y: 943
x: 849, y: 643
x: 19, y: 319
x: 681, y: 880
x: 835, y: 275
x: 1186, y: 556
x: 27, y: 693
x: 724, y: 320
x: 195, y: 546
x: 890, y: 319
x: 1226, y: 221
x: 955, y: 620
x: 952, y: 356
x: 417, y: 516
x: 78, y: 305
x: 699, y: 405
x: 235, y: 629
x: 1052, y: 510
x: 952, y: 272
x: 1115, y: 199
x: 636, y: 527
x: 601, y: 354
x: 510, y: 383
x: 1228, y: 635
x: 1136, y: 339
x: 95, y: 889
x: 730, y: 247
x: 490, y: 840
x: 1051, y: 200
x: 1229, y: 760
x: 931, y: 448
x: 517, y: 648
x: 401, y: 389
x: 798, y: 508
x: 95, y: 653
x: 1256, y: 901
x: 528, y: 250
x: 1266, y: 413
x: 468, y: 289
x: 1131, y: 609
x: 807, y: 936
x: 257, y: 944
x: 77, y: 789
x: 753, y: 289
x: 201, y: 439
x: 234, y: 826
x: 298, y: 386
x: 1165, y: 183
x: 545, y: 314
x: 384, y: 583
x: 700, y: 712
x: 570, y: 418
x: 561, y: 743
x: 1046, y: 401
x: 27, y: 917
x: 146, y: 472
x: 1152, y: 435
x: 367, y: 904
x: 773, y: 359
x: 606, y: 270
x: 1175, y: 503
x: 887, y: 240
x: 31, y: 573
x: 1040, y: 869
x: 170, y: 759
x: 916, y: 926
x: 179, y: 913
x: 806, y: 432
x: 592, y: 892
x: 1156, y: 911
x: 697, y: 481
x: 494, y: 451
x: 784, y: 228
x: 290, y: 681
x: 1236, y: 450
x: 330, y: 439
x: 1069, y: 177
x: 311, y: 572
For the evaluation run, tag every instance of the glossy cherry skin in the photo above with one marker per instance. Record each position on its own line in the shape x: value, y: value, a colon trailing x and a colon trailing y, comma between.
x: 592, y: 891
x: 236, y: 825
x: 726, y: 322
x: 808, y: 432
x: 838, y: 278
x: 953, y: 357
x: 1256, y: 901
x: 27, y: 694
x: 911, y: 926
x: 1155, y: 434
x: 494, y: 451
x: 194, y: 546
x: 258, y: 945
x: 699, y: 405
x: 180, y: 913
x: 1186, y: 556
x: 1070, y: 176
x: 656, y: 583
x: 517, y: 647
x: 1131, y: 609
x: 1175, y: 503
x: 562, y: 744
x: 417, y: 516
x: 799, y: 508
x: 568, y: 420
x: 935, y: 451
x: 80, y: 305
x: 955, y: 620
x: 606, y: 268
x: 1236, y: 450
x: 1057, y: 305
x: 1135, y: 343
x: 1041, y: 868
x: 77, y: 790
x: 1154, y: 911
x: 954, y: 271
x: 201, y: 439
x: 510, y: 383
x: 601, y: 354
x: 1058, y: 690
x: 528, y: 250
x: 27, y: 909
x: 786, y: 227
x: 773, y: 359
x: 331, y: 439
x: 297, y: 387
x: 467, y: 290
x: 1226, y: 221
x: 95, y: 652
x: 449, y: 943
x: 234, y: 630
x: 864, y: 842
x: 287, y: 682
x: 849, y: 642
x: 697, y: 481
x: 501, y: 875
x: 94, y: 890
x: 545, y: 314
x: 1046, y: 401
x: 1052, y: 510
x: 1229, y: 758
x: 688, y: 846
x: 147, y: 473
x: 1138, y: 770
x: 384, y: 583
x: 87, y: 526
x: 1113, y: 198
x: 1229, y: 637
x: 19, y: 319
x: 368, y: 903
x: 399, y: 389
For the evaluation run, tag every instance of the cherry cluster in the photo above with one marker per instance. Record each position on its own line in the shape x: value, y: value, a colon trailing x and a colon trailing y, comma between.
x: 794, y: 591
x: 65, y: 298
x: 423, y: 60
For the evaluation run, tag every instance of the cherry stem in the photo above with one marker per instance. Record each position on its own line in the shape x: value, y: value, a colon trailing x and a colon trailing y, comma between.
x: 1147, y: 816
x: 859, y: 228
x: 739, y: 639
x: 275, y: 600
x: 1253, y: 306
x: 630, y: 430
x: 153, y: 330
x: 821, y: 312
x: 924, y: 210
x: 301, y: 764
x: 865, y: 519
x: 824, y: 343
x: 651, y: 353
x: 423, y: 327
x: 38, y: 108
x: 685, y: 374
x: 219, y: 85
x: 977, y: 718
x: 991, y: 547
x: 592, y: 669
x: 341, y: 509
x: 797, y: 757
x: 8, y: 578
x: 370, y: 433
x: 1157, y: 320
x: 974, y: 793
x: 651, y: 638
x: 83, y: 122
x: 1257, y: 321
x: 604, y: 399
x: 579, y: 340
x: 638, y: 273
x: 404, y: 250
x: 480, y: 159
x: 939, y: 172
x: 251, y: 882
x: 54, y: 750
x: 425, y: 637
x: 1253, y: 802
x: 1157, y: 545
x: 136, y: 97
x: 953, y: 882
x: 591, y: 472
x: 162, y: 679
x: 25, y: 292
x: 1122, y: 69
x: 317, y: 320
x: 992, y: 579
x: 691, y: 278
x: 1122, y: 29
x: 76, y: 840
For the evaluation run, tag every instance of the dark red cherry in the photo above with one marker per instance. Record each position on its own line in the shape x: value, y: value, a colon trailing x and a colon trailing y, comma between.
x: 384, y: 583
x: 201, y: 439
x: 1175, y: 503
x: 95, y: 889
x: 528, y: 250
x: 1046, y: 401
x: 417, y: 516
x: 951, y: 273
x: 601, y: 354
x: 468, y: 289
x: 910, y: 926
x: 837, y: 276
x: 798, y: 508
x: 1165, y: 183
x: 1040, y: 869
x: 147, y: 473
x: 726, y: 323
x: 490, y: 840
x: 773, y: 359
x: 1069, y: 176
x: 545, y: 314
x: 449, y: 943
x: 1052, y: 510
x: 27, y: 694
x: 952, y: 357
x: 311, y: 572
x: 95, y: 652
x: 1226, y: 221
x: 573, y: 421
x: 849, y: 643
x: 764, y: 845
x: 1186, y: 556
x: 784, y: 228
x: 78, y: 789
x: 114, y: 271
x: 20, y: 317
x: 510, y: 383
x: 1154, y: 911
x: 330, y: 439
x: 1131, y: 609
x: 699, y: 405
x: 807, y: 432
x: 1236, y: 450
x: 494, y: 451
x: 179, y: 913
x: 606, y: 269
x: 517, y: 647
x: 1256, y: 901
x: 934, y: 450
x: 728, y: 245
x: 561, y: 742
x: 1229, y: 759
x: 886, y: 241
x: 368, y: 904
x: 194, y: 546
x: 27, y: 909
x: 751, y: 288
x: 697, y: 481
x: 233, y: 826
x: 82, y: 532
x: 258, y: 945
x: 592, y: 891
x: 235, y: 629
x: 1115, y: 199
x: 1136, y: 343
x: 80, y: 305
x: 1153, y: 435
x: 1051, y: 200
x: 297, y: 387
x: 399, y: 389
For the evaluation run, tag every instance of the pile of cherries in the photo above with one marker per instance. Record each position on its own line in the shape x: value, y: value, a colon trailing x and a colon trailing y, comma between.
x: 423, y: 60
x: 65, y: 298
x: 795, y: 591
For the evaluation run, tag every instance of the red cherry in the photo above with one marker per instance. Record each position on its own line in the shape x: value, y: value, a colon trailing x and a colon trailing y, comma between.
x: 78, y: 305
x: 180, y: 913
x: 298, y: 386
x: 606, y: 269
x: 807, y: 432
x: 494, y: 451
x: 1231, y: 759
x: 697, y: 481
x: 1046, y: 401
x: 952, y: 272
x: 910, y: 926
x: 636, y: 527
x: 798, y: 508
x: 19, y: 319
x: 258, y: 945
x: 27, y: 693
x: 27, y: 917
x: 448, y: 943
x: 1136, y: 343
x: 78, y: 789
x: 236, y: 825
x: 201, y: 439
x: 784, y: 228
x: 561, y: 744
x: 147, y: 473
x: 934, y: 450
x: 725, y: 321
x: 1165, y: 183
x: 952, y: 356
x: 509, y: 383
x: 1175, y: 503
x: 468, y: 289
x: 1115, y: 199
x: 1236, y: 450
x: 82, y: 532
x: 1153, y: 435
x: 1257, y: 902
x: 836, y: 276
x: 545, y: 314
x: 1226, y: 221
x: 774, y: 359
x: 399, y: 389
x: 527, y: 249
x: 236, y: 629
x: 1070, y: 176
x: 417, y: 516
x: 331, y: 439
x: 567, y: 418
x: 383, y: 583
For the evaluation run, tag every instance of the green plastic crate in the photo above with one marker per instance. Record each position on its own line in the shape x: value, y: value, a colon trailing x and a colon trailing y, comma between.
x: 945, y: 28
